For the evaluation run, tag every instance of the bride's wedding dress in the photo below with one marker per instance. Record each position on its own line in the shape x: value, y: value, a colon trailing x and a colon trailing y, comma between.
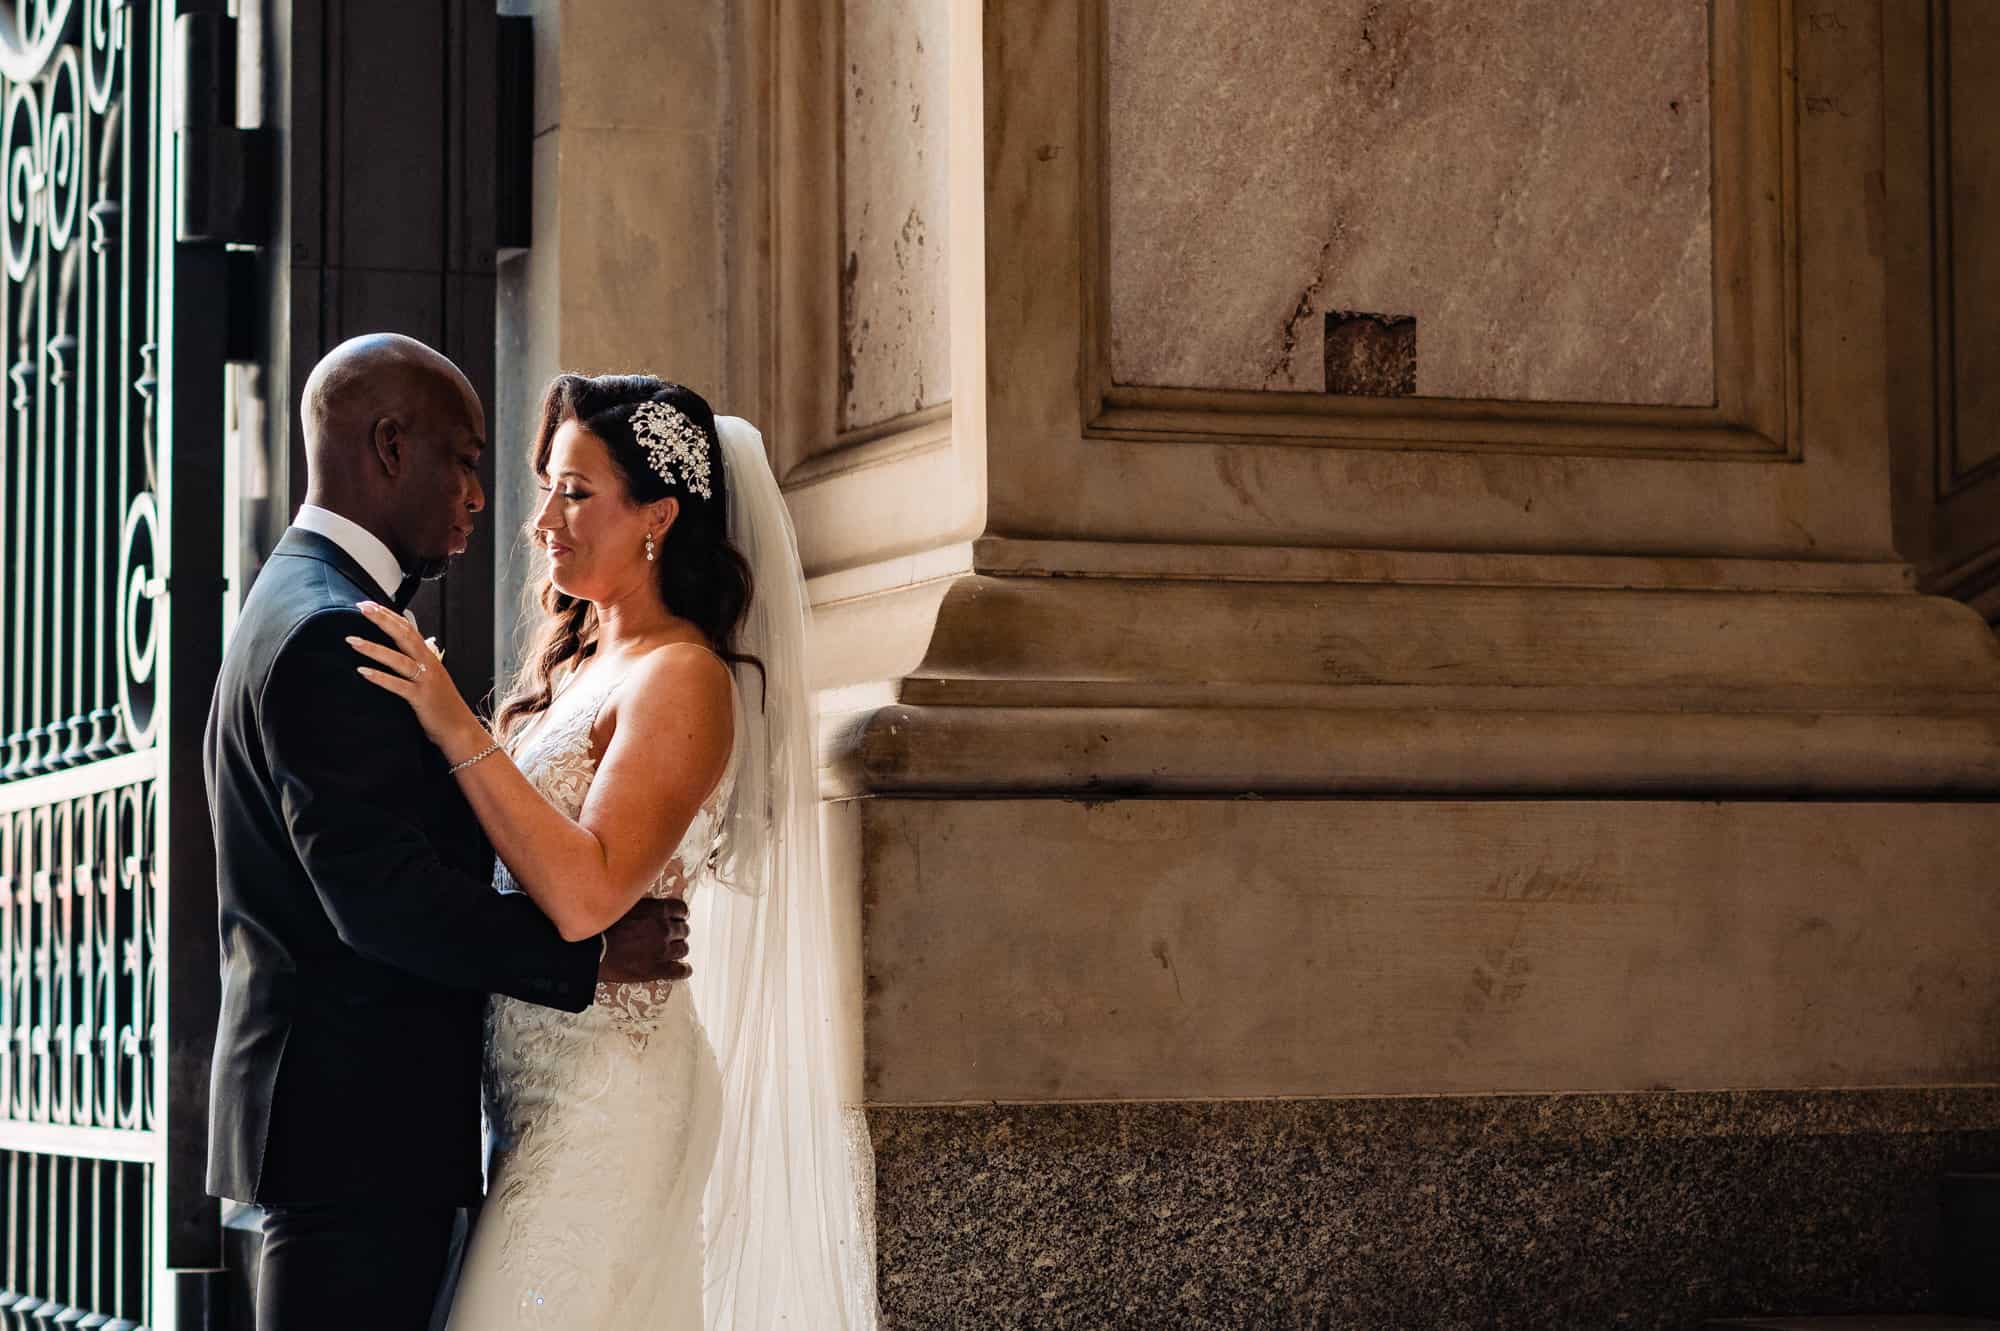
x: 668, y: 1167
x: 604, y: 1121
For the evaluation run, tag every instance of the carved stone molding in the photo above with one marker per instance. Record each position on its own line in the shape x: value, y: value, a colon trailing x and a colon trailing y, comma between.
x: 1296, y: 683
x: 1785, y: 465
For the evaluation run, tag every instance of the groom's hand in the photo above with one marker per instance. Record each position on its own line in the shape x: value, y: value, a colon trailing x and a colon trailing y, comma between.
x: 650, y: 943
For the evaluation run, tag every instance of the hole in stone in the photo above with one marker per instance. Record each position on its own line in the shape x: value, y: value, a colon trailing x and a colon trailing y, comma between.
x: 1371, y: 355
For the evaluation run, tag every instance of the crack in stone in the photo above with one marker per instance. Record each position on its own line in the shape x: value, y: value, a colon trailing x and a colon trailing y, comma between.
x: 1280, y: 372
x: 850, y: 282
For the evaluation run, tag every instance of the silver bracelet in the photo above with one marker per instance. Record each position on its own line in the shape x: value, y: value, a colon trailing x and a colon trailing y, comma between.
x: 484, y: 753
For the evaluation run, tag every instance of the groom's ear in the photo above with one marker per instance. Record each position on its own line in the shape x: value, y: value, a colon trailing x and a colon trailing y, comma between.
x: 391, y: 444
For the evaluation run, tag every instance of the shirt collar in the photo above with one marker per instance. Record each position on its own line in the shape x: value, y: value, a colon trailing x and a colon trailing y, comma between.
x: 364, y: 547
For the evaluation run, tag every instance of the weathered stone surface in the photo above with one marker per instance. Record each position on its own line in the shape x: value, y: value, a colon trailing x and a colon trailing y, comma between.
x: 895, y: 298
x: 1060, y: 949
x: 1564, y: 1213
x: 653, y: 64
x: 1529, y: 178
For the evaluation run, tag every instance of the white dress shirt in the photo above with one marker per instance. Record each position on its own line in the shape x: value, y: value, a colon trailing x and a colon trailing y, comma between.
x: 364, y: 547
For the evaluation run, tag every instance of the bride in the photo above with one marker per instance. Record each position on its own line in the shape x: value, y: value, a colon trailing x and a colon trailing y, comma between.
x: 675, y: 1156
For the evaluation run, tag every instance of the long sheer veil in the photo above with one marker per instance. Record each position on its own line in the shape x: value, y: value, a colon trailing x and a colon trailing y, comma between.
x: 787, y: 1245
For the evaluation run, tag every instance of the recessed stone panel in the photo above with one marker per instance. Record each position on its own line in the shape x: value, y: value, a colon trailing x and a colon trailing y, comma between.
x: 895, y: 342
x: 1974, y: 37
x: 1528, y: 179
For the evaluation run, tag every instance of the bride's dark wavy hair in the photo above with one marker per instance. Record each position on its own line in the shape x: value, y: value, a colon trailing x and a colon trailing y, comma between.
x: 703, y: 578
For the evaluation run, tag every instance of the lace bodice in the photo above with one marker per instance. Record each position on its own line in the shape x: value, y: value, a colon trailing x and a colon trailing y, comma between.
x: 556, y: 755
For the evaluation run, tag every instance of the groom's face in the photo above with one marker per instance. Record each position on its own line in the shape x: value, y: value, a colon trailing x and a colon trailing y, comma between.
x: 440, y: 489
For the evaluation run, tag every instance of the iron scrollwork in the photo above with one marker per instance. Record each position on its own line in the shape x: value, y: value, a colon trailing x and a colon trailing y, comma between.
x: 79, y: 521
x: 82, y: 551
x: 77, y: 932
x: 31, y: 32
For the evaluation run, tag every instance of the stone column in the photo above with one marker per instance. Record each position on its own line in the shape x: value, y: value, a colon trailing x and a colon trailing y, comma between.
x: 1227, y: 730
x: 1465, y: 821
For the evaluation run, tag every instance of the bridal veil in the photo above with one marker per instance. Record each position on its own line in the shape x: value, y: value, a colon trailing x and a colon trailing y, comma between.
x: 787, y: 1241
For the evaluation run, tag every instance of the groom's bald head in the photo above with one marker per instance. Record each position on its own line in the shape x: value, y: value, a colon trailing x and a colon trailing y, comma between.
x: 393, y: 433
x: 366, y: 378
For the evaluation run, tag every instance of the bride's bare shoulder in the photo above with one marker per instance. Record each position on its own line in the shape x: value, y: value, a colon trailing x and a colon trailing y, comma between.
x: 667, y: 727
x: 675, y: 688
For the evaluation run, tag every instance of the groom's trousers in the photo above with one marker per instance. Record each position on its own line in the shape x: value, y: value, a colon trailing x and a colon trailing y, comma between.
x: 340, y: 1266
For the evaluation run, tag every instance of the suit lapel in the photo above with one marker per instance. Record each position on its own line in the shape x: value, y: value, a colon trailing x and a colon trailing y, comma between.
x: 303, y: 544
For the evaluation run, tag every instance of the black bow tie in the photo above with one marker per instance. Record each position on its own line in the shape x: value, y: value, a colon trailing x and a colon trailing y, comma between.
x: 406, y: 591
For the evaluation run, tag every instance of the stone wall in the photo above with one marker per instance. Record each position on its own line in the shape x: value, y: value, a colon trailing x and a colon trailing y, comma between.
x: 895, y: 337
x: 1510, y: 827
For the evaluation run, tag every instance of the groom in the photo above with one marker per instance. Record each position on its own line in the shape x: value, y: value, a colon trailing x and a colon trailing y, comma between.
x: 360, y: 933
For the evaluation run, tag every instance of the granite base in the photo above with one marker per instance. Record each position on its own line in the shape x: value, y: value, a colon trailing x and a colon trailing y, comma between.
x: 1560, y: 1212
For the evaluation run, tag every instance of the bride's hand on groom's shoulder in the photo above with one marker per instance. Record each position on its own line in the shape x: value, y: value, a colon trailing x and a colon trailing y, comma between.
x: 413, y: 670
x: 650, y: 943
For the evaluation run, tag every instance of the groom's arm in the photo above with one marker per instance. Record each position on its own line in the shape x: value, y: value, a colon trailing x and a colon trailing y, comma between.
x: 347, y: 758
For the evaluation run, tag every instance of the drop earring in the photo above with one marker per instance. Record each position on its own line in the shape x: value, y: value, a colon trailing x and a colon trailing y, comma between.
x: 649, y: 547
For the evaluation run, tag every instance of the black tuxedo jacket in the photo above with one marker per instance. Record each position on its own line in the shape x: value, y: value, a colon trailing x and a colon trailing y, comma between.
x: 360, y: 930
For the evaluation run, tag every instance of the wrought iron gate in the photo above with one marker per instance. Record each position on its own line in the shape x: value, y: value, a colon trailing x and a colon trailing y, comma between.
x: 112, y: 337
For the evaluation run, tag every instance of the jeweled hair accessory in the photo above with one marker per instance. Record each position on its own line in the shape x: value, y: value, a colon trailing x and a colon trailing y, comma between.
x: 675, y: 445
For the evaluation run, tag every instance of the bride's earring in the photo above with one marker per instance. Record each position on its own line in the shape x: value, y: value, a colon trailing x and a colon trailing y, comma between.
x: 649, y: 547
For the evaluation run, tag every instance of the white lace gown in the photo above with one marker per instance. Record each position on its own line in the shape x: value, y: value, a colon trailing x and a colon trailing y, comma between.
x: 604, y: 1121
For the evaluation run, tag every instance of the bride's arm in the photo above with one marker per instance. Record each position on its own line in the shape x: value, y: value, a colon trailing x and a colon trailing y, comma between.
x: 667, y: 750
x: 673, y: 722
